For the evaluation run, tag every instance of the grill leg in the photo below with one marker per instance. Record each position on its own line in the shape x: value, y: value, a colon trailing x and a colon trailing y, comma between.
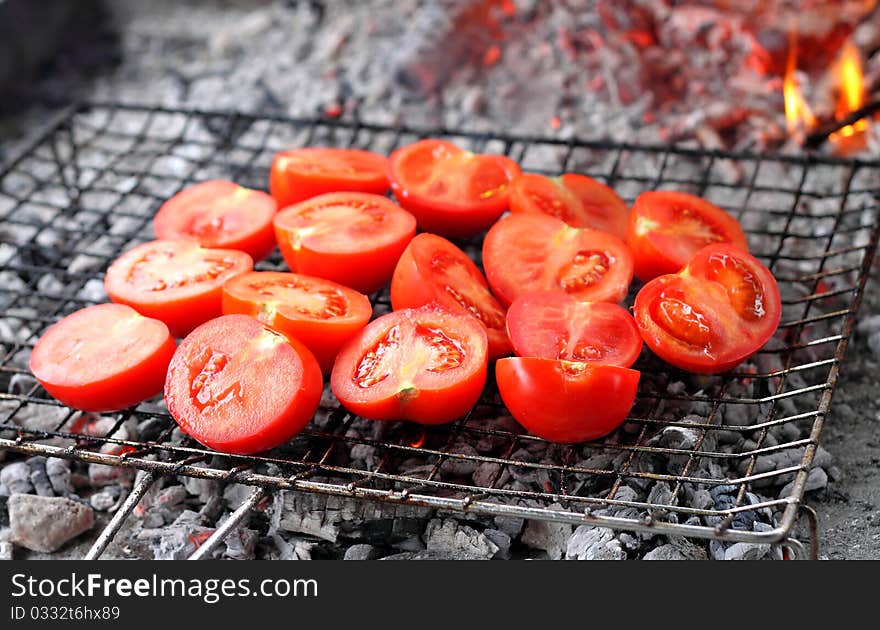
x: 795, y: 549
x: 235, y: 519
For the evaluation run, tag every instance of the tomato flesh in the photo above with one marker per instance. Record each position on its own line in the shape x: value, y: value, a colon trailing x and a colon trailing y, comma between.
x: 238, y: 386
x: 220, y: 214
x: 580, y: 201
x: 451, y: 191
x: 321, y: 314
x: 178, y: 282
x: 529, y: 252
x: 354, y: 239
x: 667, y: 228
x: 433, y: 270
x: 426, y: 365
x: 712, y: 315
x: 301, y: 174
x: 565, y: 401
x: 554, y: 325
x: 103, y: 358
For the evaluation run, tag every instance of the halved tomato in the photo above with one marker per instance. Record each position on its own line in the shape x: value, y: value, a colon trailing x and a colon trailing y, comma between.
x: 451, y: 191
x: 529, y: 252
x: 238, y: 386
x: 354, y: 239
x: 666, y: 229
x: 426, y: 365
x: 301, y: 174
x: 433, y: 270
x: 220, y: 214
x: 554, y: 325
x: 565, y: 401
x: 319, y: 313
x: 103, y: 358
x: 712, y: 315
x: 580, y: 201
x: 178, y: 282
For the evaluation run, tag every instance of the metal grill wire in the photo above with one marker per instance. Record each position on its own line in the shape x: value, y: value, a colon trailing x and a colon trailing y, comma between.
x: 86, y: 190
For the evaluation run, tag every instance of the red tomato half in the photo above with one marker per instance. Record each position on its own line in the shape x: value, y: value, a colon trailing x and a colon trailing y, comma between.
x: 554, y: 325
x: 529, y: 252
x: 354, y: 239
x: 451, y: 191
x: 426, y: 365
x: 178, y: 282
x: 220, y: 214
x: 580, y: 201
x: 238, y: 386
x: 321, y: 314
x: 667, y: 228
x: 432, y: 269
x: 103, y: 358
x: 712, y: 315
x: 566, y: 402
x: 301, y: 174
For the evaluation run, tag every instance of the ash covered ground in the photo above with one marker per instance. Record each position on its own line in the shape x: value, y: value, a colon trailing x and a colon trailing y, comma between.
x: 541, y: 72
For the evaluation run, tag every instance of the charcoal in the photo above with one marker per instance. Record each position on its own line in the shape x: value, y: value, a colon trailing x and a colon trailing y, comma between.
x: 746, y: 551
x: 593, y: 543
x: 104, y: 500
x: 16, y: 477
x: 510, y: 525
x: 5, y: 550
x: 38, y: 477
x: 547, y: 536
x: 449, y: 537
x: 501, y: 540
x: 816, y: 480
x: 665, y: 552
x: 362, y: 552
x: 241, y: 543
x: 46, y: 523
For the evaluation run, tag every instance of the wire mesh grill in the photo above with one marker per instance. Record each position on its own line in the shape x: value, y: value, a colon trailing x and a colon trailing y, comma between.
x: 697, y: 454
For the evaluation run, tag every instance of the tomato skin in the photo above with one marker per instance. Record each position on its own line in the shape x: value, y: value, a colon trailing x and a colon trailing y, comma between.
x: 699, y: 320
x: 450, y: 191
x: 122, y: 359
x: 352, y: 249
x: 245, y: 217
x: 529, y: 252
x: 563, y: 401
x: 554, y: 325
x: 666, y: 229
x: 300, y: 174
x: 410, y: 391
x: 133, y: 278
x: 419, y: 280
x: 580, y: 201
x: 322, y: 334
x: 237, y: 386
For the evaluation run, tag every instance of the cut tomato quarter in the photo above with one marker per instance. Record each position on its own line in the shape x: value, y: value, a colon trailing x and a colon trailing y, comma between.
x: 433, y: 270
x: 178, y: 282
x: 564, y: 401
x: 220, y: 214
x: 301, y: 174
x: 354, y: 239
x: 554, y: 325
x: 103, y: 358
x: 580, y: 201
x: 529, y: 252
x: 712, y: 315
x: 319, y: 313
x: 451, y: 191
x: 426, y: 365
x: 666, y: 229
x: 238, y: 386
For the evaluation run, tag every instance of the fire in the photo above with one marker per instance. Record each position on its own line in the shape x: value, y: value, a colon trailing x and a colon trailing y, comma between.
x: 798, y: 115
x: 850, y: 90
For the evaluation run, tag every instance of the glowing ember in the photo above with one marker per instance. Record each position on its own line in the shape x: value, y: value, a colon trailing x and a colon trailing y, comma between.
x: 850, y: 91
x: 419, y: 439
x: 798, y: 115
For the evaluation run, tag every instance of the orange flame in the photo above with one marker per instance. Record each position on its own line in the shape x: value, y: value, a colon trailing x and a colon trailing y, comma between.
x: 798, y: 114
x: 850, y: 89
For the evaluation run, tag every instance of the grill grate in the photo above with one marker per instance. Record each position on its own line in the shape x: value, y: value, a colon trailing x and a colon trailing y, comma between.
x: 86, y: 190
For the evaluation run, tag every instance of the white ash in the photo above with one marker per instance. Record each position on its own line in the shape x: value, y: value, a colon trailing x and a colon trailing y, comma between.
x: 448, y: 536
x: 549, y: 537
x: 594, y: 543
x: 46, y: 523
x: 362, y: 552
